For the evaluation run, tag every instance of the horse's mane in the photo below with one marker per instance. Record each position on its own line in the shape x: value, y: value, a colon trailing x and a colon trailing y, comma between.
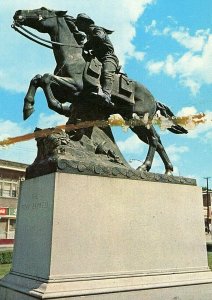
x: 79, y: 36
x: 70, y: 21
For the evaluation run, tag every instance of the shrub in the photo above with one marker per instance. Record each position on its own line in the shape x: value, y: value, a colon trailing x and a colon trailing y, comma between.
x: 6, y: 257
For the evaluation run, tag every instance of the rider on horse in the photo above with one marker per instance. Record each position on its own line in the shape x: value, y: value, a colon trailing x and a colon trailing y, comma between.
x: 102, y: 48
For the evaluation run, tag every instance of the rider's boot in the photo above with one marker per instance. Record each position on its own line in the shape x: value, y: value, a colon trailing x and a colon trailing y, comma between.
x: 105, y: 92
x: 107, y: 87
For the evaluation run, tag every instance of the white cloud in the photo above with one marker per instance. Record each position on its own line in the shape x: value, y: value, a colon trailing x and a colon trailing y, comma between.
x: 181, y: 35
x: 167, y: 66
x: 202, y: 130
x: 132, y: 145
x: 21, y: 152
x: 193, y: 43
x: 8, y: 127
x: 16, y: 72
x: 46, y: 121
x: 151, y: 27
x: 24, y: 151
x: 175, y: 152
x: 187, y: 111
x: 155, y: 67
x: 131, y: 52
x: 155, y: 31
x: 193, y: 68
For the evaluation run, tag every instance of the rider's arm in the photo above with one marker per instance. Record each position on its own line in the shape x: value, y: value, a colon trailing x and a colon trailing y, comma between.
x: 88, y: 46
x: 99, y: 33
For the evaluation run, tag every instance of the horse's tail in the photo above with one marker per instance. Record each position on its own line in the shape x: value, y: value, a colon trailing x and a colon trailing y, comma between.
x: 167, y: 113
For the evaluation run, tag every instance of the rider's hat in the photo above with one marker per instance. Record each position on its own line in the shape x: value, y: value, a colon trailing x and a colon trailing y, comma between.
x: 84, y: 18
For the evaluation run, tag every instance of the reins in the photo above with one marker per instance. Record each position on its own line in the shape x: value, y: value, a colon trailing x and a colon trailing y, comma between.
x: 33, y: 36
x: 30, y: 38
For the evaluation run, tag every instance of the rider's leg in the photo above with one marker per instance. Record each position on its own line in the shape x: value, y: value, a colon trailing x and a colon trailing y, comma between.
x: 108, y: 74
x: 107, y: 78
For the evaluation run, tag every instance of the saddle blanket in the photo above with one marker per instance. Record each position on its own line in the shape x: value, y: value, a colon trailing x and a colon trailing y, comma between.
x: 123, y: 87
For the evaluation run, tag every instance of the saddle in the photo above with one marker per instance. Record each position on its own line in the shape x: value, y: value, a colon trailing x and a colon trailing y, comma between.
x: 123, y: 87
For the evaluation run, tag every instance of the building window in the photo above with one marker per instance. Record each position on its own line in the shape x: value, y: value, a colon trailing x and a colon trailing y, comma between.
x: 8, y: 189
x: 12, y: 225
x: 14, y: 190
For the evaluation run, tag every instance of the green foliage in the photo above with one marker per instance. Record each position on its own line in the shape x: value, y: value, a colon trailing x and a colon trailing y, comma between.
x: 4, y: 269
x: 6, y: 257
x: 204, y: 188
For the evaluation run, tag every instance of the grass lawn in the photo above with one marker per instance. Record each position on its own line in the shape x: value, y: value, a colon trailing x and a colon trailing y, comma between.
x: 210, y: 260
x: 4, y: 269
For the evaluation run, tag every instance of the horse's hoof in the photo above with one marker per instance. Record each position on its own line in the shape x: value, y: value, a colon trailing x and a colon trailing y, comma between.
x: 27, y: 113
x: 142, y: 169
x: 168, y: 172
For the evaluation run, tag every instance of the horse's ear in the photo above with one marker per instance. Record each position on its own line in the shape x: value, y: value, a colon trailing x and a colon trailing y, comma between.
x: 60, y: 13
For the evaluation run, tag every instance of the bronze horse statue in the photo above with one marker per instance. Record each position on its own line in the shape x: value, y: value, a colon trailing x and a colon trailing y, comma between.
x: 68, y: 85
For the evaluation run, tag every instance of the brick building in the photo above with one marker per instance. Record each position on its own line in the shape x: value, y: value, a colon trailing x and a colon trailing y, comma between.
x: 11, y: 174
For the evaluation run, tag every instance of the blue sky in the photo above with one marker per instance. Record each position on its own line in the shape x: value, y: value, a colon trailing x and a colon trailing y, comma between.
x: 166, y: 45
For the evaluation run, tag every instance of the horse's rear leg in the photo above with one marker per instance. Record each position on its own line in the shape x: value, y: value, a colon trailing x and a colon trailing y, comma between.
x: 46, y: 82
x: 147, y: 136
x: 147, y: 164
x: 30, y: 95
x: 164, y: 156
x: 167, y: 163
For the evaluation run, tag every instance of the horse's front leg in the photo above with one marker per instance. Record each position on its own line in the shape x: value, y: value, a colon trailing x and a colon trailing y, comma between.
x: 30, y: 95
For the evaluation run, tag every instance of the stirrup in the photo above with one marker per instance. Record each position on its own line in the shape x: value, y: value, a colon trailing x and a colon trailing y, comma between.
x: 106, y: 101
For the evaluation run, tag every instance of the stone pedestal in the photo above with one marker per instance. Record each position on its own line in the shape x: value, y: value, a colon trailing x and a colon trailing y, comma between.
x: 108, y: 238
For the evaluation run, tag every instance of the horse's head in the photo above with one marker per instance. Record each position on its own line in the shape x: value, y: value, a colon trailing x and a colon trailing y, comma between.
x: 41, y: 19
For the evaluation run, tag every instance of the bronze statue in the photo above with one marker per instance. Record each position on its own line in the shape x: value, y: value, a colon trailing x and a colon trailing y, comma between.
x: 77, y: 77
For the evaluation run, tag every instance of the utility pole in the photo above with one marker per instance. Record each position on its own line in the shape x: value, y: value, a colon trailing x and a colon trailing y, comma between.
x: 208, y: 203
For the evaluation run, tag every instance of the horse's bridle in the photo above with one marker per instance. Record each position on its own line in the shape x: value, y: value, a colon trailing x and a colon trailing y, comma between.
x: 33, y: 37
